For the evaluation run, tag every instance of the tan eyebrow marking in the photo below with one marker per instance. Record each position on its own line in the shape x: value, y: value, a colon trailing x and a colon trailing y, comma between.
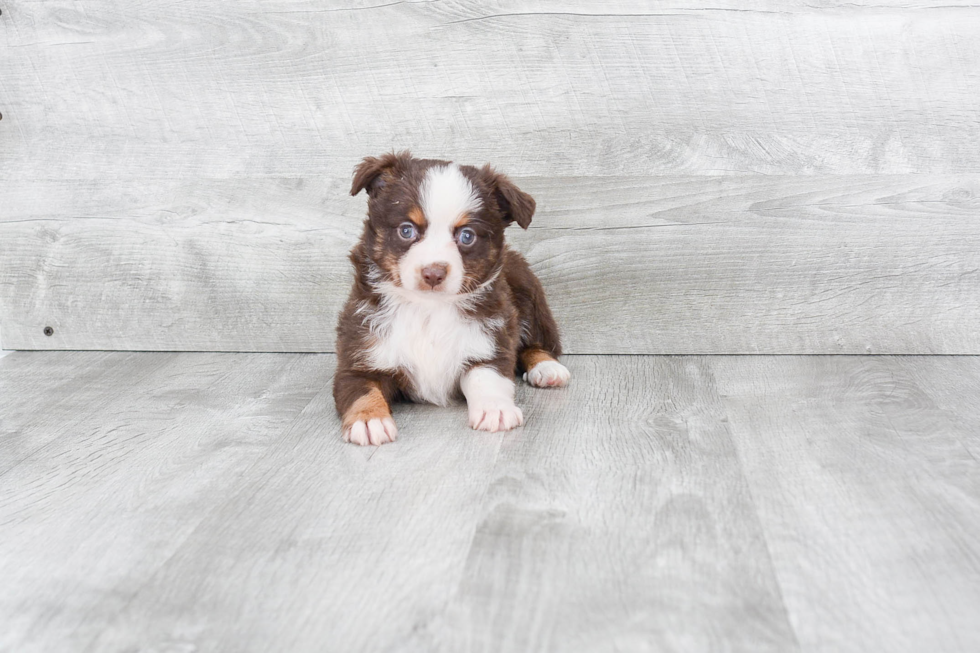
x: 415, y: 215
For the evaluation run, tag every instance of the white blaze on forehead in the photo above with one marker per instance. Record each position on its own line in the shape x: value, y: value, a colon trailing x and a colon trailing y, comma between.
x: 446, y: 195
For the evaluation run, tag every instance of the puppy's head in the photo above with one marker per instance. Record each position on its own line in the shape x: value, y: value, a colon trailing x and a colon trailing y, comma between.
x: 434, y: 228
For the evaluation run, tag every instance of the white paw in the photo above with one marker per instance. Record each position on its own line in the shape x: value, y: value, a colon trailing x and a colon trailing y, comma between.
x: 494, y: 414
x: 374, y: 432
x: 548, y: 374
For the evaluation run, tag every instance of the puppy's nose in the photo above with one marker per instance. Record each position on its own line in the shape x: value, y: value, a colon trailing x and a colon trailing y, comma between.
x: 435, y: 274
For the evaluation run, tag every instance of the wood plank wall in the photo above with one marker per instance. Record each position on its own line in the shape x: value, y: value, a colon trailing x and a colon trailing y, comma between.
x: 724, y: 177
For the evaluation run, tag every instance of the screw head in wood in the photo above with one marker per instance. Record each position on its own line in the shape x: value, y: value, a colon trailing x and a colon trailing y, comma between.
x: 48, y: 331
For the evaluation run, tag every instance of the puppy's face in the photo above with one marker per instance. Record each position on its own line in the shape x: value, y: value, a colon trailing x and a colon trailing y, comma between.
x: 435, y: 228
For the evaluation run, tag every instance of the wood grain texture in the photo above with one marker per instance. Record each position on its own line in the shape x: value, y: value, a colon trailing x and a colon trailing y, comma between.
x: 811, y: 264
x: 296, y: 88
x: 626, y: 526
x: 324, y: 545
x: 171, y: 266
x: 953, y: 388
x: 197, y: 513
x: 749, y: 177
x: 658, y: 503
x: 91, y: 516
x: 77, y: 384
x: 868, y: 490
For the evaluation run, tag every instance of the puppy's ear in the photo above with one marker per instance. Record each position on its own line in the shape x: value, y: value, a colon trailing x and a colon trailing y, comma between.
x: 516, y: 205
x: 370, y: 173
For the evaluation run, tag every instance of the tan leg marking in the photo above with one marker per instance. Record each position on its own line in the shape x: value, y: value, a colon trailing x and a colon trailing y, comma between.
x: 368, y: 420
x: 543, y: 370
x: 533, y: 356
x: 367, y: 407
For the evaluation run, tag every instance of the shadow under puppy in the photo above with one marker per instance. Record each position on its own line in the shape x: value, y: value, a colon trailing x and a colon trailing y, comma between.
x: 440, y: 305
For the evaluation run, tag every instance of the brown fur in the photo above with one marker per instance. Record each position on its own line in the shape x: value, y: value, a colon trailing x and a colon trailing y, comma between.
x: 415, y: 215
x: 529, y: 332
x: 370, y: 405
x: 531, y: 356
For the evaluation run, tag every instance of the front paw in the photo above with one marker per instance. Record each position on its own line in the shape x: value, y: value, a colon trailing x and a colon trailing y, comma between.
x: 548, y: 374
x: 495, y: 415
x: 373, y: 431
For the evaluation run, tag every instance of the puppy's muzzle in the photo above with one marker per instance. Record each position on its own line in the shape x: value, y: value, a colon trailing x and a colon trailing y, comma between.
x: 434, y: 274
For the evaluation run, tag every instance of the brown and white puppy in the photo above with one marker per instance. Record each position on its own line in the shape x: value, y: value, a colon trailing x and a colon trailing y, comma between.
x: 440, y: 305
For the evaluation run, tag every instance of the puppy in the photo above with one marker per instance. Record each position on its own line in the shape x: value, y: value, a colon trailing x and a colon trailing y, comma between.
x: 440, y: 305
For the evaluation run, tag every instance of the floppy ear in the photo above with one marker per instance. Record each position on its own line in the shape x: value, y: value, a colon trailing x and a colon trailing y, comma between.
x: 369, y: 173
x: 516, y: 205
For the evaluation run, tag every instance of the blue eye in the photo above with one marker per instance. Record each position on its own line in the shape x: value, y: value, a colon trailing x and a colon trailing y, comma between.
x: 466, y: 236
x: 407, y: 231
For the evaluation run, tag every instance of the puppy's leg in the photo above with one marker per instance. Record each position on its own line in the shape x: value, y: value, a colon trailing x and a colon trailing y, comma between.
x: 363, y: 405
x: 490, y: 400
x: 540, y: 344
x: 543, y: 370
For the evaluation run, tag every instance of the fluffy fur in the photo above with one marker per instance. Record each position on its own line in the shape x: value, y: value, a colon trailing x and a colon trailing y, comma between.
x: 440, y: 306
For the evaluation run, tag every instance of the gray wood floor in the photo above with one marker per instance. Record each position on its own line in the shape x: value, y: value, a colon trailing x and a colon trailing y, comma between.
x: 178, y: 502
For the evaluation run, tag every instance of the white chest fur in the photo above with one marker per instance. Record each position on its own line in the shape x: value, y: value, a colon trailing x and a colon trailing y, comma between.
x: 430, y: 342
